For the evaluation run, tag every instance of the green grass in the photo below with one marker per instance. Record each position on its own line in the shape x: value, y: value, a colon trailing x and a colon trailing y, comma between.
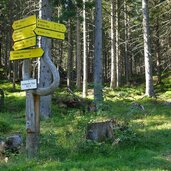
x: 145, y: 147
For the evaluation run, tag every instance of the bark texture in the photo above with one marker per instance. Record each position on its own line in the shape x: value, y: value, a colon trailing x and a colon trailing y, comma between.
x: 147, y: 50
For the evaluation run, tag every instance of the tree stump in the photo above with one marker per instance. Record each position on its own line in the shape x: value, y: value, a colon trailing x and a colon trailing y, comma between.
x: 100, y: 131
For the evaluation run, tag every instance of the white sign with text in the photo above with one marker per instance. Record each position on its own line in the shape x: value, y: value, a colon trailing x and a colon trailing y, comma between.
x: 29, y: 84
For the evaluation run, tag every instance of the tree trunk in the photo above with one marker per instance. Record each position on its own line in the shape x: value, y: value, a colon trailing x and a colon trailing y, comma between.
x: 113, y: 59
x: 0, y: 53
x: 147, y: 50
x: 118, y: 62
x: 70, y: 61
x: 45, y: 76
x: 84, y: 52
x: 78, y: 52
x: 158, y: 51
x: 126, y: 43
x: 98, y: 95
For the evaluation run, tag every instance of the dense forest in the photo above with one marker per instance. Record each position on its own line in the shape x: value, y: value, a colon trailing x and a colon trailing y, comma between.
x: 122, y: 40
x: 107, y: 70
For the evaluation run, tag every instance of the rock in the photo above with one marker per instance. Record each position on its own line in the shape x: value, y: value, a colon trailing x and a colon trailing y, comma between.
x: 2, y: 147
x: 137, y: 106
x: 13, y: 143
x: 167, y: 103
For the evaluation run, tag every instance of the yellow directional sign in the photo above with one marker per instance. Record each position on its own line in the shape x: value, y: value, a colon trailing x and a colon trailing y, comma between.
x: 25, y: 43
x: 24, y: 22
x: 49, y: 33
x: 49, y: 25
x: 24, y: 54
x: 23, y: 33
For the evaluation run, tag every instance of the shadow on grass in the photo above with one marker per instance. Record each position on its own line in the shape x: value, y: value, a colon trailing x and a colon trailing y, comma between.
x: 13, y: 104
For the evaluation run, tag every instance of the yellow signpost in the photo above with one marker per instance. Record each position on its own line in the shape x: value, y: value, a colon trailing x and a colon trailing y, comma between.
x: 24, y: 36
x: 49, y: 33
x: 49, y: 25
x: 24, y: 33
x: 24, y: 54
x: 25, y: 43
x: 24, y: 22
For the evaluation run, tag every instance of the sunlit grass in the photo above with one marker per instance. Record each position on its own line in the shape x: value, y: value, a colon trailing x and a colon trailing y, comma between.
x: 62, y: 138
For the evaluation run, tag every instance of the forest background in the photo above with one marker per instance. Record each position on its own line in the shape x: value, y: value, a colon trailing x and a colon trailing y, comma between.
x: 124, y: 79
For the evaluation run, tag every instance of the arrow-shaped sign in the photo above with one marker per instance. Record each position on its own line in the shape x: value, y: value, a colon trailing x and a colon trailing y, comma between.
x: 49, y: 25
x: 25, y: 43
x: 24, y: 54
x: 24, y: 22
x: 23, y: 33
x: 49, y: 33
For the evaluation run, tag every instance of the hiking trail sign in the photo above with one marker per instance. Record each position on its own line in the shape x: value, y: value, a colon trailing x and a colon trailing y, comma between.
x: 30, y: 42
x: 24, y: 22
x: 25, y: 47
x: 25, y: 54
x: 25, y: 32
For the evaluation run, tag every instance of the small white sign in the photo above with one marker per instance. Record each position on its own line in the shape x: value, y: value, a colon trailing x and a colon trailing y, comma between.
x: 29, y: 84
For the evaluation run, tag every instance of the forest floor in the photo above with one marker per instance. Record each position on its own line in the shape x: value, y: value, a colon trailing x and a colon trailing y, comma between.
x: 144, y: 146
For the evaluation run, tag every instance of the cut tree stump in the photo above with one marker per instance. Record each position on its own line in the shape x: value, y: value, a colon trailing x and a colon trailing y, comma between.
x: 100, y: 131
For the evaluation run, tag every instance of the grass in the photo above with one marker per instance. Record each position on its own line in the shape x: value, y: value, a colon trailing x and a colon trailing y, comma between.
x: 145, y: 147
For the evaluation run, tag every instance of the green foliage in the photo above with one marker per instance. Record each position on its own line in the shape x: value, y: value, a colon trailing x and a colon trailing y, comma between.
x: 5, y: 127
x: 143, y: 137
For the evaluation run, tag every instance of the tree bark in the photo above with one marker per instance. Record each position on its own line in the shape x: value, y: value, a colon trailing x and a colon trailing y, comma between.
x: 118, y: 62
x: 45, y: 76
x: 147, y: 50
x: 126, y: 43
x: 158, y: 51
x: 98, y: 95
x: 84, y: 52
x: 113, y: 59
x: 78, y: 52
x: 70, y: 59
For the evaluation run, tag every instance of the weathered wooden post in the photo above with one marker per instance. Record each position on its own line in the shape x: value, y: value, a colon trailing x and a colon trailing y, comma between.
x: 33, y: 103
x: 24, y: 36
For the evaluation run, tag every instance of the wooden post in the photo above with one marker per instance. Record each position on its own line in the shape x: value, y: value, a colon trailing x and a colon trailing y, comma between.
x: 32, y: 116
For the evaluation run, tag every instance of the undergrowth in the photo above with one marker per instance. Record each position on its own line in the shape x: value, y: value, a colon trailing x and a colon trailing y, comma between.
x: 143, y: 143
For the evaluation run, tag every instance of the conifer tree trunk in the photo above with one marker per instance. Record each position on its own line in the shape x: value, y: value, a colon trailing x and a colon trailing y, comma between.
x: 98, y: 95
x: 126, y: 43
x: 45, y: 76
x: 147, y: 50
x: 78, y: 53
x: 118, y: 62
x: 70, y: 60
x: 84, y: 52
x: 113, y: 59
x: 157, y: 44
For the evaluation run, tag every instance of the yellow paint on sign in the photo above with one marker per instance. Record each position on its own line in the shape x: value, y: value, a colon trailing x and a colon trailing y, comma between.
x: 24, y: 33
x: 24, y: 22
x: 49, y: 33
x: 24, y: 54
x: 25, y: 43
x: 49, y: 25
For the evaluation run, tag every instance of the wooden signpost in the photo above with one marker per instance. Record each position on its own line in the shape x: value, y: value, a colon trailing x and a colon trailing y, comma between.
x: 25, y: 47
